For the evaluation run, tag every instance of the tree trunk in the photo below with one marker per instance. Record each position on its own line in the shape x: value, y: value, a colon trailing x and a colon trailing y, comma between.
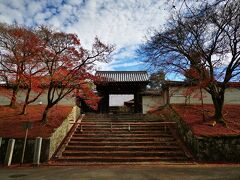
x: 44, y: 120
x: 218, y: 111
x: 14, y: 97
x: 202, y: 103
x: 218, y: 101
x: 24, y: 109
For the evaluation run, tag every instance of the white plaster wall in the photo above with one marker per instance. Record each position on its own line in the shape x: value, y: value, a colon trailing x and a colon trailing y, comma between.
x: 151, y: 102
x: 232, y: 96
x: 68, y: 100
x: 118, y: 100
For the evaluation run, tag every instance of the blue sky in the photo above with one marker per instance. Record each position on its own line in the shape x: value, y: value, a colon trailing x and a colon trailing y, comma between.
x: 123, y: 23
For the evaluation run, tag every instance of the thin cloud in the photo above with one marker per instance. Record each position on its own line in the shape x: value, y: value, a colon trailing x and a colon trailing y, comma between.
x: 123, y: 23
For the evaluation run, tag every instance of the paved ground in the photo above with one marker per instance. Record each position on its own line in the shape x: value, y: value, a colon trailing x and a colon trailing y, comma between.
x: 169, y: 172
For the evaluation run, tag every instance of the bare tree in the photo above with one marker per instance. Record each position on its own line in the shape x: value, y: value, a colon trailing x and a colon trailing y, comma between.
x: 156, y: 80
x: 205, y: 38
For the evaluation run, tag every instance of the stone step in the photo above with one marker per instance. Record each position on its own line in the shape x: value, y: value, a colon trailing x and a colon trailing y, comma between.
x: 124, y: 153
x: 116, y: 115
x: 125, y: 130
x: 106, y: 139
x: 122, y: 135
x: 79, y: 143
x: 120, y: 159
x: 120, y: 124
x: 125, y: 125
x: 121, y: 130
x: 123, y: 148
x: 127, y: 139
x: 99, y: 135
x: 120, y: 120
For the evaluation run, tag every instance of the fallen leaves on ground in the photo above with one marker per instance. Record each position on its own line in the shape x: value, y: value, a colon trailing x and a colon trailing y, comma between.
x: 11, y: 123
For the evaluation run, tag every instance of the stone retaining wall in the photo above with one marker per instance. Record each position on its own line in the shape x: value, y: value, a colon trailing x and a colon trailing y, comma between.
x: 210, y: 149
x: 49, y: 145
x: 60, y: 133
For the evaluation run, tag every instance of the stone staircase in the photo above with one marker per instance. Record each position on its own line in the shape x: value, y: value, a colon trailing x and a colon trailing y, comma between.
x: 122, y: 139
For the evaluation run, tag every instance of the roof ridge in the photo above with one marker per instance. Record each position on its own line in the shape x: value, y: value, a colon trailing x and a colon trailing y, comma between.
x: 123, y: 76
x: 121, y: 71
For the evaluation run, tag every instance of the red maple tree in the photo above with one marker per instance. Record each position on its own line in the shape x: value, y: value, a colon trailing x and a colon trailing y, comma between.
x: 68, y: 65
x: 46, y: 60
x: 20, y: 63
x: 12, y: 57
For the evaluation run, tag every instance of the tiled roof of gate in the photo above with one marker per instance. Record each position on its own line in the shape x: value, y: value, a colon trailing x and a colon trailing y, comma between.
x: 123, y: 76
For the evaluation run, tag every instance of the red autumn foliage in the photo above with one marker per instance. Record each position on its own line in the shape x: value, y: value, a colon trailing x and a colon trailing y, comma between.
x: 68, y: 66
x: 5, y: 92
x: 20, y: 65
x: 192, y: 116
x: 86, y: 93
x: 32, y: 80
x: 42, y: 58
x: 160, y: 111
x: 11, y: 122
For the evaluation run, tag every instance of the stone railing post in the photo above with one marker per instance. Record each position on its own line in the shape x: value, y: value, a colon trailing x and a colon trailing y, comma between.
x: 0, y: 142
x: 37, y: 151
x: 9, y: 153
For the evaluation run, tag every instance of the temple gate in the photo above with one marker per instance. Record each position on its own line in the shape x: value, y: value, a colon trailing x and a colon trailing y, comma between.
x: 121, y: 82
